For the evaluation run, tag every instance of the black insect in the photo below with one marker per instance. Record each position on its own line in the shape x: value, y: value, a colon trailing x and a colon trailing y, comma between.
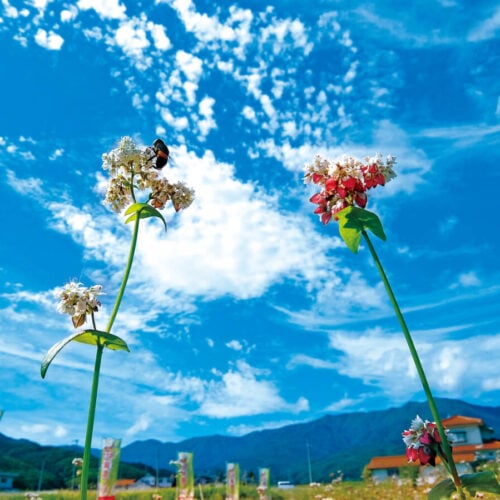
x: 162, y: 153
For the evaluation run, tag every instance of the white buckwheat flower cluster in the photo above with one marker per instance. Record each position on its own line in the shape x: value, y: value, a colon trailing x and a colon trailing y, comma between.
x: 78, y: 301
x: 132, y: 168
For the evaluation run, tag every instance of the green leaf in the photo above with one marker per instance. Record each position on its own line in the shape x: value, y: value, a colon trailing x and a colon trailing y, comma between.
x: 350, y: 232
x: 95, y: 337
x: 353, y: 221
x: 442, y: 490
x: 92, y: 337
x: 143, y: 211
x: 485, y: 482
x: 481, y: 481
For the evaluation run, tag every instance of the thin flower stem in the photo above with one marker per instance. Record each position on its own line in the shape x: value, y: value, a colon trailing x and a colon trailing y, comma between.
x: 131, y: 254
x: 418, y: 365
x: 90, y: 424
x: 97, y: 367
x: 132, y: 174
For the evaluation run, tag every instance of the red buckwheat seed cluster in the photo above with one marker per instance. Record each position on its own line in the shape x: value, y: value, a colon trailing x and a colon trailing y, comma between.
x: 345, y: 181
x: 422, y: 441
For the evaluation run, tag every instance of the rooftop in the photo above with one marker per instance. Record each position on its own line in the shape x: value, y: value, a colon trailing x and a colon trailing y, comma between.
x: 459, y: 420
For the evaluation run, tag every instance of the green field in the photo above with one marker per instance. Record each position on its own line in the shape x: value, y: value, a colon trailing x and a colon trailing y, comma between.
x: 340, y: 491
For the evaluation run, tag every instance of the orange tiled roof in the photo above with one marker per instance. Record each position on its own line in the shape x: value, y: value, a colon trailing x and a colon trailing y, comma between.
x: 462, y: 453
x: 463, y: 448
x: 456, y: 420
x: 124, y: 482
x: 389, y: 462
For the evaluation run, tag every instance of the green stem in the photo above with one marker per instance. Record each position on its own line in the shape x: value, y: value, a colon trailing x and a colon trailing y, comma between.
x: 418, y: 365
x: 97, y: 367
x: 90, y: 424
x: 119, y: 297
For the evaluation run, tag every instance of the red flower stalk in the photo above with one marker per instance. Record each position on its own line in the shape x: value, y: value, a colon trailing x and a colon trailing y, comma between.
x: 423, y: 442
x: 344, y: 182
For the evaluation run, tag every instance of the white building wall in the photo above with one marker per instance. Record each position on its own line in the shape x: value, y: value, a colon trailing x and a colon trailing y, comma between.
x: 379, y: 475
x: 473, y: 434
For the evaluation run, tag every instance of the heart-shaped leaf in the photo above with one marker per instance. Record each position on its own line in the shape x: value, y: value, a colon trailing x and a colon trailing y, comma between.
x: 484, y: 482
x: 481, y: 481
x: 92, y: 337
x: 442, y: 490
x: 143, y: 211
x: 353, y: 221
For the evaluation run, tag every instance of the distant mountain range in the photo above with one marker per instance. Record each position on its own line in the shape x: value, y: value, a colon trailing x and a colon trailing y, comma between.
x: 299, y: 453
x: 313, y: 450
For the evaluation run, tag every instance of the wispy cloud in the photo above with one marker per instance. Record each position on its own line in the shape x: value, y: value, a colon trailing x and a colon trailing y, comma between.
x: 230, y: 397
x: 487, y: 28
x: 382, y: 360
x: 106, y: 9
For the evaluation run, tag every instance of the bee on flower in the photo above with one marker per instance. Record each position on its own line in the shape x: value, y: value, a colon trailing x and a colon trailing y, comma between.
x: 78, y: 301
x: 132, y: 168
x: 344, y: 182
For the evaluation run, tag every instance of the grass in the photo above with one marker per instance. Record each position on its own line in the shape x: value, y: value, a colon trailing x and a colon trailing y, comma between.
x: 389, y: 490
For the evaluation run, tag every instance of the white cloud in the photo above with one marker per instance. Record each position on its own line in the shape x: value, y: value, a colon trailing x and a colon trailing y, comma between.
x: 131, y: 37
x: 206, y: 28
x: 246, y: 231
x: 43, y: 431
x: 56, y: 154
x: 486, y: 29
x: 106, y: 9
x: 346, y: 402
x: 242, y: 429
x: 176, y: 122
x: 447, y: 225
x: 60, y: 431
x: 383, y: 360
x: 141, y: 424
x: 69, y: 14
x: 469, y: 279
x: 9, y: 10
x: 99, y: 235
x: 402, y: 29
x: 189, y: 64
x: 48, y: 40
x: 462, y: 136
x: 235, y: 345
x: 241, y: 393
x: 31, y: 185
x: 160, y: 38
x: 304, y: 359
x: 249, y: 113
x: 279, y: 30
x: 206, y: 111
x: 40, y: 4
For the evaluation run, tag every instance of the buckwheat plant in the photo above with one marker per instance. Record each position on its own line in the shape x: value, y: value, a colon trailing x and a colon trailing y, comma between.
x: 342, y: 196
x: 133, y: 171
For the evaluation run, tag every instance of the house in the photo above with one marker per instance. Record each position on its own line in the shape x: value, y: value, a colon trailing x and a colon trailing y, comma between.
x: 387, y: 467
x: 472, y: 442
x: 148, y: 481
x: 7, y: 480
x: 124, y: 484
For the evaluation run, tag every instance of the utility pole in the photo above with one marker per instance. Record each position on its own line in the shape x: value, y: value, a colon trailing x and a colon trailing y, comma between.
x: 157, y: 467
x: 40, y: 477
x: 309, y: 463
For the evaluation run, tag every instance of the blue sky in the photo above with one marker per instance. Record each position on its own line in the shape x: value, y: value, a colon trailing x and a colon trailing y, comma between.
x: 247, y: 313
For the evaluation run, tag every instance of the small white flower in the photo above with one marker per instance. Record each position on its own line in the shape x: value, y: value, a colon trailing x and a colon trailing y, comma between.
x: 417, y: 424
x: 78, y: 301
